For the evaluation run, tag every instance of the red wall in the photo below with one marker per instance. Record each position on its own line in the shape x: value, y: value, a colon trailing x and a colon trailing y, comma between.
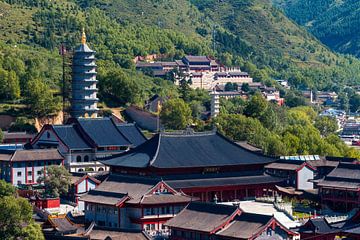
x: 48, y: 203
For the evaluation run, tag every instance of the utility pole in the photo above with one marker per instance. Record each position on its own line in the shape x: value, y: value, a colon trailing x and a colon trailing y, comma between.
x: 62, y: 53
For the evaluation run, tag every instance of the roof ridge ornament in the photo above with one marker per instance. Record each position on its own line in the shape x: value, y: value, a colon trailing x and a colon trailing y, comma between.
x: 83, y: 36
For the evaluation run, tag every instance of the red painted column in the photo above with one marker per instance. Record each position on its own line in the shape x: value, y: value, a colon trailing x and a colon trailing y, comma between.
x: 33, y: 172
x: 26, y: 176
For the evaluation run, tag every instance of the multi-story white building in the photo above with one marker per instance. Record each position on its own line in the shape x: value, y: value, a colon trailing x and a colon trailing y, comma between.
x: 24, y: 167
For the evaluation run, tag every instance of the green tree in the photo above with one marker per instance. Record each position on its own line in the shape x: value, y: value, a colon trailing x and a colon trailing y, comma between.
x: 16, y: 216
x: 41, y: 99
x: 197, y: 108
x: 6, y: 189
x: 344, y: 102
x: 245, y: 87
x: 354, y: 102
x: 9, y: 85
x: 256, y: 106
x: 275, y: 146
x: 176, y: 114
x: 326, y: 125
x: 56, y: 181
x: 293, y: 100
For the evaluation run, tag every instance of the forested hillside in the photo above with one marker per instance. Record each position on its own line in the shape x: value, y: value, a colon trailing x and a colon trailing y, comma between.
x: 335, y: 23
x: 251, y: 34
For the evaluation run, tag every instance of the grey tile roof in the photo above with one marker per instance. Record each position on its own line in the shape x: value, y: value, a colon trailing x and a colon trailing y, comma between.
x: 37, y: 154
x: 346, y: 175
x: 283, y: 166
x: 30, y: 155
x: 204, y: 217
x: 71, y: 137
x: 99, y: 196
x: 184, y: 151
x: 318, y: 225
x: 197, y: 58
x: 132, y: 189
x: 245, y: 226
x: 223, y: 181
x: 103, y: 132
x: 63, y: 225
x: 132, y: 133
x: 101, y: 233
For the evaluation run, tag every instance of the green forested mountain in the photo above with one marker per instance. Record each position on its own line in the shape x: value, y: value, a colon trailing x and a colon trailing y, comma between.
x: 251, y: 34
x: 336, y: 23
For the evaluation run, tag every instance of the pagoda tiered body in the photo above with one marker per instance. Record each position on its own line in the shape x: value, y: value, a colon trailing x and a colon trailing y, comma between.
x: 84, y: 89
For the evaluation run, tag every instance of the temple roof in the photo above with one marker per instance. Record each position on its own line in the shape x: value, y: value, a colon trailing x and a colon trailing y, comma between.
x: 70, y: 137
x: 318, y: 225
x: 30, y: 155
x: 62, y: 224
x: 245, y: 226
x: 204, y: 217
x: 94, y: 132
x: 84, y: 48
x: 346, y: 175
x: 103, y: 132
x: 167, y: 150
x: 103, y: 233
x: 132, y: 189
x: 132, y: 133
x: 221, y: 180
x: 197, y: 59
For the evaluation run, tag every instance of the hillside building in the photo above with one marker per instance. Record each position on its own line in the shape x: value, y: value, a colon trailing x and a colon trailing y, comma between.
x: 84, y: 90
x: 84, y: 140
x: 204, y: 72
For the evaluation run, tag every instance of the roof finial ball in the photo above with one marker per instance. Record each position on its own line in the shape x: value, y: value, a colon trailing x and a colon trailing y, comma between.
x: 83, y: 36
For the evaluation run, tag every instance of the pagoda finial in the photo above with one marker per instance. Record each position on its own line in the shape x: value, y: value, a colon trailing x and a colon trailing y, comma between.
x: 83, y: 37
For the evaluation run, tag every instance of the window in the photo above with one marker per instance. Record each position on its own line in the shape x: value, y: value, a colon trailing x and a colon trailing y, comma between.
x: 19, y: 182
x: 48, y: 135
x: 78, y: 159
x: 19, y: 174
x: 39, y: 172
x: 29, y: 173
x: 100, y: 169
x: 80, y: 170
x: 147, y: 211
x: 86, y: 158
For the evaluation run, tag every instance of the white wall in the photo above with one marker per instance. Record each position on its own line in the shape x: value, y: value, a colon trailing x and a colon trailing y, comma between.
x: 303, y: 177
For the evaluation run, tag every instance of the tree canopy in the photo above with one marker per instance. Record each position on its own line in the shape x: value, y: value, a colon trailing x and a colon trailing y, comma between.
x: 176, y: 114
x: 16, y: 216
x: 56, y: 181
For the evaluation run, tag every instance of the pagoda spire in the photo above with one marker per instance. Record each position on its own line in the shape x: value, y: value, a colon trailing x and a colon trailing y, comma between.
x: 83, y: 36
